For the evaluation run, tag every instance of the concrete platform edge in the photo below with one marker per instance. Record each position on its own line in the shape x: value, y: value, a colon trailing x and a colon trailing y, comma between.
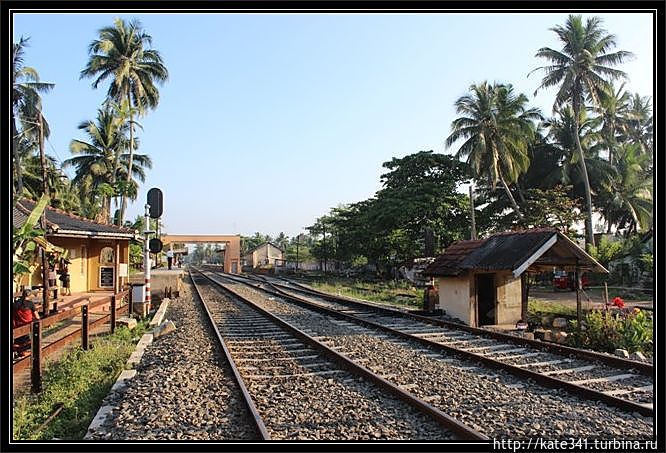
x: 121, y: 382
x: 159, y: 315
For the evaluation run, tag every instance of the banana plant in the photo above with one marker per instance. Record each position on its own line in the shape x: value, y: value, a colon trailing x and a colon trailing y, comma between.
x: 23, y: 241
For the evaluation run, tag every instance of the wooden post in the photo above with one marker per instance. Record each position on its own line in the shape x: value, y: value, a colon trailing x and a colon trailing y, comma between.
x: 579, y: 310
x: 130, y: 301
x: 113, y: 313
x: 606, y: 295
x: 523, y: 294
x: 36, y: 357
x: 84, y: 327
x: 45, y: 285
x: 116, y: 280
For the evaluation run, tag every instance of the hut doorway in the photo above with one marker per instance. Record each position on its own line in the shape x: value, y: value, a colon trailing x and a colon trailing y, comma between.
x: 485, y: 294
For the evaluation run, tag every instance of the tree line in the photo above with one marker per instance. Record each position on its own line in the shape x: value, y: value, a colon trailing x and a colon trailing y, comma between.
x: 107, y: 167
x: 592, y: 158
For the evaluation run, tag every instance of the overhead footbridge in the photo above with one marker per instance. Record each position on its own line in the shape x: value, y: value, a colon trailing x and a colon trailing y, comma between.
x: 231, y: 243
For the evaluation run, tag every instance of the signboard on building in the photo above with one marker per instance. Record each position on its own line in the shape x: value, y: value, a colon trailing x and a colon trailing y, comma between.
x: 106, y: 277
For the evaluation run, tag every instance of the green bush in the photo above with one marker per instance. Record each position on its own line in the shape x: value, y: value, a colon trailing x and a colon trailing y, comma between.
x: 79, y: 382
x: 608, y: 330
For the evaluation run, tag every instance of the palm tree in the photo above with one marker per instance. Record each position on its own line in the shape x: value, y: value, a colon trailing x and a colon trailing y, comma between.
x: 638, y: 127
x: 120, y: 54
x: 497, y: 128
x: 100, y: 156
x: 613, y: 110
x: 581, y: 69
x: 26, y: 105
x: 626, y: 201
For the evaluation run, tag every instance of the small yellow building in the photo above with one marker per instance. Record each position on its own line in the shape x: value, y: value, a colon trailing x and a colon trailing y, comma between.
x: 98, y: 254
x: 483, y: 282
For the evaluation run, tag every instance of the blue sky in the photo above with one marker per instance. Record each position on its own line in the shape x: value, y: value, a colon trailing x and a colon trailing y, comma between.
x: 269, y: 120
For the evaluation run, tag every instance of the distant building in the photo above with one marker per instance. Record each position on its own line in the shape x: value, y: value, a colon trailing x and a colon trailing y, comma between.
x: 98, y: 254
x: 482, y: 282
x: 264, y: 255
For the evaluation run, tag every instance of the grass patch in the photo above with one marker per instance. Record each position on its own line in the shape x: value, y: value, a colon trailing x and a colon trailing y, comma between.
x: 79, y: 381
x: 539, y: 307
x: 400, y: 294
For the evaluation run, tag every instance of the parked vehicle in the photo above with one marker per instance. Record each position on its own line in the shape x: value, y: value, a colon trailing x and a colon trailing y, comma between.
x: 563, y: 280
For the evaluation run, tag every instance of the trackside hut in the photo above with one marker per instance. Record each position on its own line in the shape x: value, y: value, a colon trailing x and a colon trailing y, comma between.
x: 98, y: 253
x: 483, y: 282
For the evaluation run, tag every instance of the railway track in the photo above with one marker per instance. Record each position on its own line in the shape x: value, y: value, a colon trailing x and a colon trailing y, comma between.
x: 298, y: 388
x: 494, y: 402
x: 622, y: 383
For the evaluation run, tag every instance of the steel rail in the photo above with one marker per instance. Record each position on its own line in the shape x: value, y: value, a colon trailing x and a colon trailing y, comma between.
x: 448, y: 422
x: 258, y: 421
x: 618, y: 362
x: 544, y: 380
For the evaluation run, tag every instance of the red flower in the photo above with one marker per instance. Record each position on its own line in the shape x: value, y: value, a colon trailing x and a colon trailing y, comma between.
x: 618, y: 302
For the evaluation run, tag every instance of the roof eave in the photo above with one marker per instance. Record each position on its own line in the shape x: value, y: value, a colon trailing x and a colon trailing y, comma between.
x: 92, y: 234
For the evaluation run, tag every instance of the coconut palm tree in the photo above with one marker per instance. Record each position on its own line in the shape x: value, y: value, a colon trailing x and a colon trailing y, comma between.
x: 582, y: 68
x: 100, y: 156
x: 120, y: 54
x: 626, y: 200
x: 613, y: 110
x: 26, y: 105
x: 638, y: 126
x: 497, y: 128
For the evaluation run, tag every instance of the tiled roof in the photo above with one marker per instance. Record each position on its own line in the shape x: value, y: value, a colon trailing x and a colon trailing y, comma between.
x: 62, y: 222
x: 18, y: 217
x: 509, y: 251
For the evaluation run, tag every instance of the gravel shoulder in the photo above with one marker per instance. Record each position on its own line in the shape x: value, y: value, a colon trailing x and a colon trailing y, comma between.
x: 182, y: 388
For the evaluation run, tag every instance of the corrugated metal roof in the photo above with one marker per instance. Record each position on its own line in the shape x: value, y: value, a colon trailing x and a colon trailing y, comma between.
x: 509, y: 250
x: 506, y: 251
x: 449, y: 263
x: 60, y: 221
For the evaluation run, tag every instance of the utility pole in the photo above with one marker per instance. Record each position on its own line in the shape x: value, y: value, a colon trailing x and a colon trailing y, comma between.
x: 325, y: 251
x: 45, y: 188
x: 471, y: 204
x: 298, y: 236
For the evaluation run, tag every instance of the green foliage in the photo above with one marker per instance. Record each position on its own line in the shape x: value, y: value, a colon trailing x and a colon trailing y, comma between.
x: 79, y: 381
x: 606, y: 331
x: 607, y: 250
x: 23, y: 243
x: 250, y: 242
x: 551, y: 207
x: 418, y: 209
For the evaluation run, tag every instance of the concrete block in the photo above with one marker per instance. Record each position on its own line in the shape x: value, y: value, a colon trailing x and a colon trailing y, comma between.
x: 141, y: 346
x: 622, y: 353
x: 638, y: 355
x: 561, y: 337
x: 130, y: 323
x: 159, y: 314
x: 548, y: 335
x: 163, y: 329
x: 528, y: 335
